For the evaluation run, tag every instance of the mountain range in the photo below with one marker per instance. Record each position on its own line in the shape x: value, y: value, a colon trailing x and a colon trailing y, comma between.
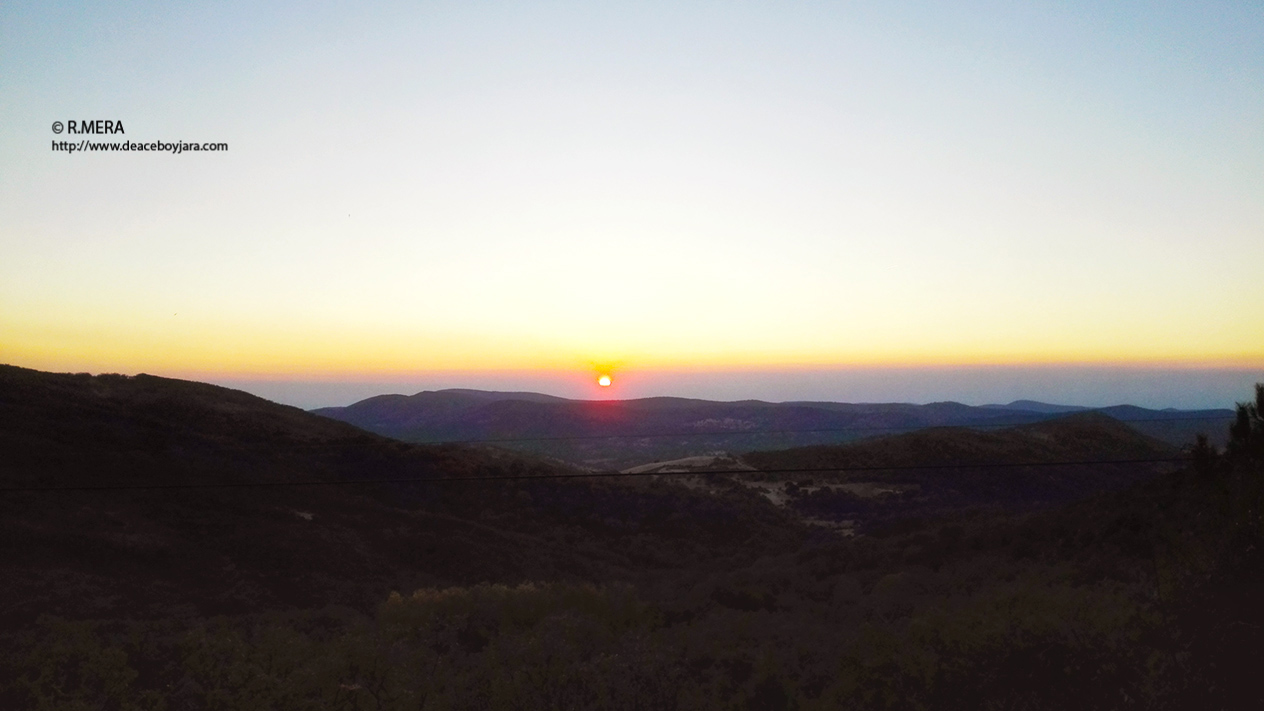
x: 616, y: 434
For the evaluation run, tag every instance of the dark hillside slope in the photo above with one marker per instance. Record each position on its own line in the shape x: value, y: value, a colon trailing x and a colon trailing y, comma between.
x: 1178, y: 427
x: 240, y: 547
x: 1068, y: 438
x: 942, y: 469
x: 61, y: 429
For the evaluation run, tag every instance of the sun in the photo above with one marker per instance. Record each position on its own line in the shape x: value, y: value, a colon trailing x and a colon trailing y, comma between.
x: 604, y: 381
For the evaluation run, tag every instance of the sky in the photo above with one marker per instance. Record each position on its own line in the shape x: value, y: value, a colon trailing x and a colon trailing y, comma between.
x: 979, y: 201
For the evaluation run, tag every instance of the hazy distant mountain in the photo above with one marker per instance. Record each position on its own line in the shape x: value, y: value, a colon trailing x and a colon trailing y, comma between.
x: 622, y: 433
x: 1036, y: 406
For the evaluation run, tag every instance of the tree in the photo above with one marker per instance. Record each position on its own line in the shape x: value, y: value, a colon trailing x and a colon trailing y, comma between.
x: 1204, y: 456
x: 1246, y: 434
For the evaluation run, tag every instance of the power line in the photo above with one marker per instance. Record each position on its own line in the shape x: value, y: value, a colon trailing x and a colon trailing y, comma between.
x: 575, y: 475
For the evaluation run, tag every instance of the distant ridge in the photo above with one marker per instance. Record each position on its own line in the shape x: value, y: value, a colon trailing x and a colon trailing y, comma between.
x: 494, y: 395
x: 1036, y: 406
x: 623, y: 433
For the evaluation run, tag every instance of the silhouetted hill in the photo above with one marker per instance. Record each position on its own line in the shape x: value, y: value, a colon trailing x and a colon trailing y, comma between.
x: 937, y: 470
x: 1089, y: 435
x: 623, y: 433
x: 1178, y: 427
x: 1037, y: 406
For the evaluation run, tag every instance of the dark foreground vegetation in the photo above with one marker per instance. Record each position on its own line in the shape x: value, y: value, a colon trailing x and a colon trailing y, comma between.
x: 569, y: 594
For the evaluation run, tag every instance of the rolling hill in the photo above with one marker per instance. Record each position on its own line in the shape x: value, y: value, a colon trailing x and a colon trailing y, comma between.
x: 940, y: 470
x: 624, y: 433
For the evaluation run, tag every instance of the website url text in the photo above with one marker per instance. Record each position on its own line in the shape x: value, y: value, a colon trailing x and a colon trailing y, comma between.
x: 176, y: 147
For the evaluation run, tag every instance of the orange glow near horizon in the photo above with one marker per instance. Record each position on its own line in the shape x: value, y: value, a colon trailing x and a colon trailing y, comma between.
x: 270, y: 358
x: 193, y: 345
